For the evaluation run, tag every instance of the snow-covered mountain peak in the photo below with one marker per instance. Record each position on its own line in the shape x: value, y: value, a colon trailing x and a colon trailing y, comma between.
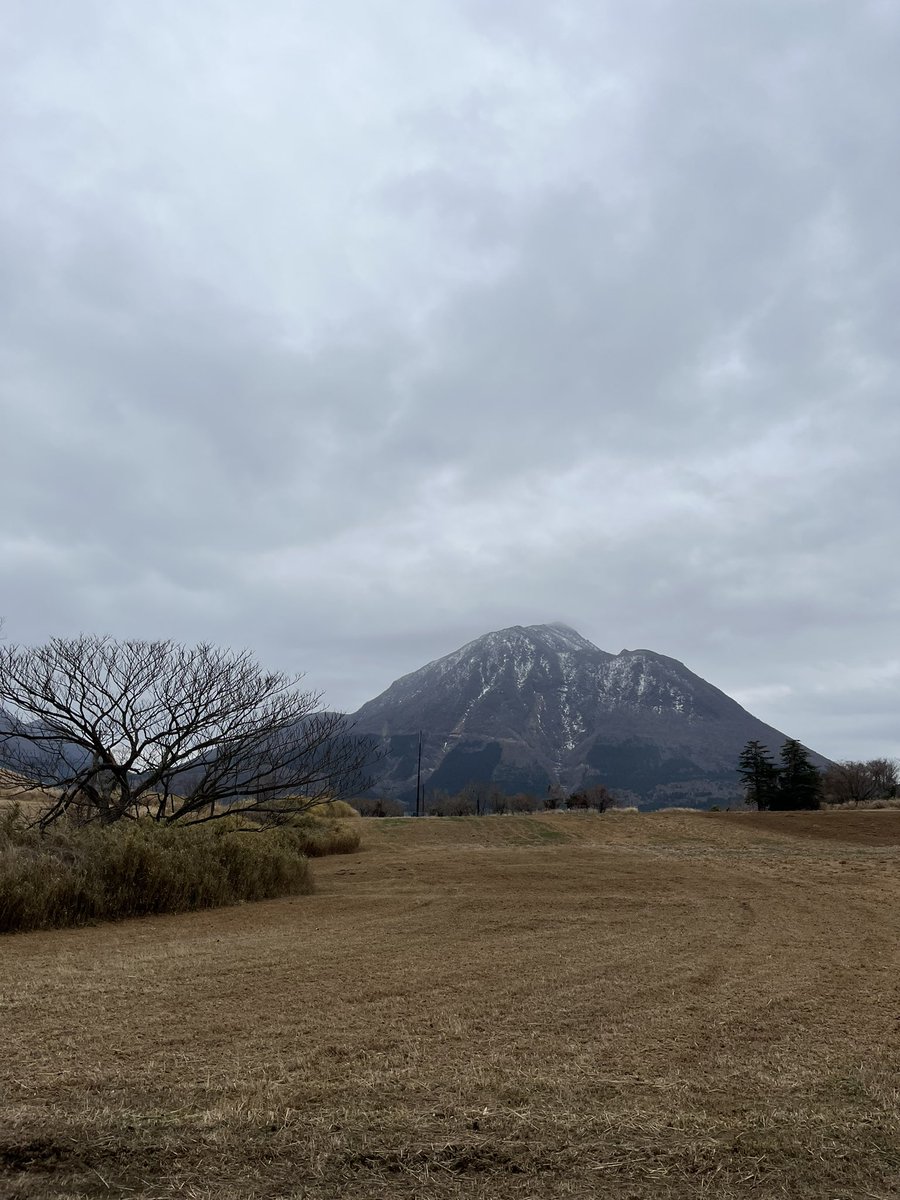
x: 558, y: 636
x: 531, y: 705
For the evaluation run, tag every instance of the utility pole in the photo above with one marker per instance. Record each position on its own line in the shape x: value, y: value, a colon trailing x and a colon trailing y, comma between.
x: 419, y: 776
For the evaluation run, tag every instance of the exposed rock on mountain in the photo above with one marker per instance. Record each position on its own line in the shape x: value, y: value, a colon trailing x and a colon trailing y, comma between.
x: 534, y: 706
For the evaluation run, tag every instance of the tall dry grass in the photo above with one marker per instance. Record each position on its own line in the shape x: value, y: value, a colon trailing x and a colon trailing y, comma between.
x: 73, y: 876
x: 318, y: 835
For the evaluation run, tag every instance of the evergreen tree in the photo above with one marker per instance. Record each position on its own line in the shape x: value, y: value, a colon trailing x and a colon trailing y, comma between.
x: 759, y: 775
x: 799, y: 782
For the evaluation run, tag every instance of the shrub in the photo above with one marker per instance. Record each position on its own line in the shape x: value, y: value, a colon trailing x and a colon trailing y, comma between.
x: 71, y: 875
x: 316, y: 838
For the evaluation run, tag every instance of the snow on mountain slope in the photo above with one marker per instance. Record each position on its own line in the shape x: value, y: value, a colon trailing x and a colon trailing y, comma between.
x: 531, y: 706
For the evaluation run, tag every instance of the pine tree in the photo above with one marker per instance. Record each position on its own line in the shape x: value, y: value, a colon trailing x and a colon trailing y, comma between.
x: 799, y: 782
x: 759, y: 775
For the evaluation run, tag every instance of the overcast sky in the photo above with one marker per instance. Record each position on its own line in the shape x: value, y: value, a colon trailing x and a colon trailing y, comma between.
x: 348, y: 332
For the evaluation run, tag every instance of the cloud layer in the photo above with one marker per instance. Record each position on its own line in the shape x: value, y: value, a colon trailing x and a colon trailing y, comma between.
x: 350, y: 332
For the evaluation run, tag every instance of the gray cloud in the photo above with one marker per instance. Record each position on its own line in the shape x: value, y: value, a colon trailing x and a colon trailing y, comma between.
x: 349, y: 334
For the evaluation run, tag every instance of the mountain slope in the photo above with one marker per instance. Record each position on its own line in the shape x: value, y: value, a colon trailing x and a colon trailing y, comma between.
x: 533, y: 706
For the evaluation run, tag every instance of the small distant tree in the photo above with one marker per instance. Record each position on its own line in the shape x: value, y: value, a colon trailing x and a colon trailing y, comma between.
x: 523, y: 802
x: 464, y: 804
x: 475, y: 797
x: 759, y: 775
x: 437, y: 803
x: 799, y: 780
x: 600, y: 797
x: 884, y: 772
x: 499, y: 801
x: 554, y: 797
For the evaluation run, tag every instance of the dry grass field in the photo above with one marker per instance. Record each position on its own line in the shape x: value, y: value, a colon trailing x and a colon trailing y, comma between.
x: 666, y: 1005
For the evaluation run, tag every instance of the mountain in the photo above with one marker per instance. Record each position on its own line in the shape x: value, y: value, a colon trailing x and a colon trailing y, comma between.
x: 34, y: 760
x: 530, y: 707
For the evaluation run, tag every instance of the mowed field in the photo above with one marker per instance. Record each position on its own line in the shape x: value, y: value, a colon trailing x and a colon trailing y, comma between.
x: 565, y: 1005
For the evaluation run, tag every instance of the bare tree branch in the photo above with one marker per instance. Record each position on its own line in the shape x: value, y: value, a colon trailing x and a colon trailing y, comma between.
x: 189, y: 734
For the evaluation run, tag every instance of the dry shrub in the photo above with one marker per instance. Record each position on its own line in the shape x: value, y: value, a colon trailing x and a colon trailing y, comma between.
x: 335, y: 810
x: 884, y: 802
x: 296, y: 808
x: 679, y: 808
x: 72, y: 876
x: 317, y: 837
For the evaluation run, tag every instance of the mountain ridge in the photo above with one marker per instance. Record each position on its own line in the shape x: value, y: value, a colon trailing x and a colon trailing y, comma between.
x: 537, y: 706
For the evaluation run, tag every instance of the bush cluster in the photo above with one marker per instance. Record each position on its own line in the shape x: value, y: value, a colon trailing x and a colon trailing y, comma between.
x: 72, y: 876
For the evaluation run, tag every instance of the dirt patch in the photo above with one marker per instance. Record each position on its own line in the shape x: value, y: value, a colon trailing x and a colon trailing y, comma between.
x: 38, y: 1155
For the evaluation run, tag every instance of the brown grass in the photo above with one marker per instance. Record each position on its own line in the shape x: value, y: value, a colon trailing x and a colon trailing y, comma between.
x: 77, y: 874
x: 560, y: 1005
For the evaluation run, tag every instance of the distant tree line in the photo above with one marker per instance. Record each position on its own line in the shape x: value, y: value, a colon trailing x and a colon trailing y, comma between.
x: 480, y: 799
x: 796, y: 783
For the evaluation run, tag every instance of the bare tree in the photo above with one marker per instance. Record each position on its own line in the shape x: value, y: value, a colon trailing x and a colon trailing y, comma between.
x: 377, y: 806
x: 475, y: 795
x: 884, y: 771
x: 437, y: 803
x: 859, y: 782
x: 499, y: 801
x: 554, y: 797
x: 523, y: 802
x: 115, y: 729
x: 598, y: 796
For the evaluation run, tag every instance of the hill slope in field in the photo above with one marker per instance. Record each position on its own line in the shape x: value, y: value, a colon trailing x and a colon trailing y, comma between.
x: 533, y: 706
